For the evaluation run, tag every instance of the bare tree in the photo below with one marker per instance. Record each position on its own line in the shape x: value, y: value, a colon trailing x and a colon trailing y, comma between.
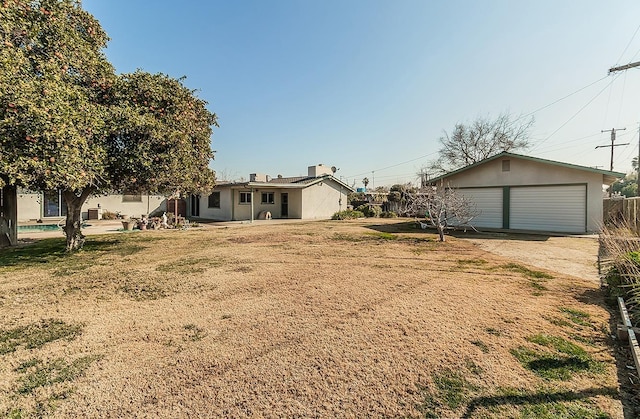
x: 483, y: 138
x: 443, y: 208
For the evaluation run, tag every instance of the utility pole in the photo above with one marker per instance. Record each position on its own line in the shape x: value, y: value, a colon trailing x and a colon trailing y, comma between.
x: 613, y: 140
x: 622, y: 68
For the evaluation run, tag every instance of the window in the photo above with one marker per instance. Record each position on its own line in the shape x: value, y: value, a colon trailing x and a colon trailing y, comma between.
x: 245, y: 197
x: 132, y: 197
x: 506, y: 165
x: 54, y: 205
x: 267, y: 198
x: 214, y: 200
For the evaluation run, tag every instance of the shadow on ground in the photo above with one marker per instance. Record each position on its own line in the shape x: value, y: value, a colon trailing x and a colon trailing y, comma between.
x: 414, y: 227
x: 542, y: 397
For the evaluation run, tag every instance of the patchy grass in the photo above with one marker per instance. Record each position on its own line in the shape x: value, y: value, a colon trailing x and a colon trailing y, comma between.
x: 37, y: 335
x: 480, y: 344
x: 189, y: 265
x: 452, y: 390
x: 36, y: 373
x: 194, y: 333
x: 544, y: 403
x: 515, y: 267
x: 286, y: 320
x: 576, y: 316
x: 383, y: 236
x: 144, y: 290
x: 560, y: 359
x: 472, y: 262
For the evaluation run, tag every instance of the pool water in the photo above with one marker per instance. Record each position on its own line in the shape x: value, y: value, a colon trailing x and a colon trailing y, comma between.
x: 39, y: 227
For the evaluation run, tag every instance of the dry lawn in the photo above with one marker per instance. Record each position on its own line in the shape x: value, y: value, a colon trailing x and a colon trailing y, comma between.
x: 318, y: 319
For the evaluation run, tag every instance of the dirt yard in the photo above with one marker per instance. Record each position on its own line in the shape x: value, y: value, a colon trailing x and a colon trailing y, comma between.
x: 316, y: 319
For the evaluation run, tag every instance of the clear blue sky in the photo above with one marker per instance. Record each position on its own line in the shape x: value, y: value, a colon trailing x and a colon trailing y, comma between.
x: 370, y: 85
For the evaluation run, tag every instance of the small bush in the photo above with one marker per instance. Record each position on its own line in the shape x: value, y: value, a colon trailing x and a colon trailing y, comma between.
x: 108, y: 215
x: 388, y: 214
x: 347, y: 215
x: 370, y: 210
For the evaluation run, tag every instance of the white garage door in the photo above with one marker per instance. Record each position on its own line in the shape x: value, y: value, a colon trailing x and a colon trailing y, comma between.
x: 488, y: 204
x: 549, y: 208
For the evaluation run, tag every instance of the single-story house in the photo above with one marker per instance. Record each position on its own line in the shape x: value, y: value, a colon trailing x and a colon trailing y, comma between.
x: 316, y: 196
x: 517, y: 192
x: 49, y: 205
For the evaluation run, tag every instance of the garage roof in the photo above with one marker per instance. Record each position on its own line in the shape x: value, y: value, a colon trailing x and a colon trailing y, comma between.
x: 608, y: 176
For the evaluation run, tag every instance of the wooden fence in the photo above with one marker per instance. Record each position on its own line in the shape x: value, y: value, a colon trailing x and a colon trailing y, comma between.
x: 622, y: 211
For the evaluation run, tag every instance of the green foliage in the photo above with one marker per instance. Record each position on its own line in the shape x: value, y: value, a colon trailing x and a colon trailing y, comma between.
x: 53, y: 75
x: 514, y: 267
x: 347, y: 215
x: 36, y: 373
x: 68, y: 122
x: 578, y: 317
x: 383, y: 235
x: 628, y: 186
x: 37, y: 335
x: 394, y: 196
x: 452, y: 391
x: 370, y: 210
x: 388, y: 214
x: 558, y: 361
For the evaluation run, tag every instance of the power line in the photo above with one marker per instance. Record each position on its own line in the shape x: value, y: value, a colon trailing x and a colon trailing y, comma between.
x: 393, y: 165
x: 613, y: 145
x: 575, y: 114
x: 630, y: 41
x: 562, y: 98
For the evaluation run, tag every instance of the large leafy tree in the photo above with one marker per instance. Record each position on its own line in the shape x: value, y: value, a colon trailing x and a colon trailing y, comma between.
x: 470, y: 143
x: 68, y: 122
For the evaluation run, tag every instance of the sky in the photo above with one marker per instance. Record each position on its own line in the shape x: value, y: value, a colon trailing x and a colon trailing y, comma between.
x: 370, y: 86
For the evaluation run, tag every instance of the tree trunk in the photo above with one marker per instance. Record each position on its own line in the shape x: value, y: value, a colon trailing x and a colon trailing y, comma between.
x: 441, y: 231
x: 9, y: 216
x: 73, y: 224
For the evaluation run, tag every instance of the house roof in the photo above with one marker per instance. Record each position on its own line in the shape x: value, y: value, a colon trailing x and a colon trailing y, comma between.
x: 608, y: 176
x: 299, y: 182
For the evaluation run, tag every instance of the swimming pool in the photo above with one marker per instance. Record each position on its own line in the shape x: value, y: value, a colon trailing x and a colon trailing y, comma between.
x: 38, y: 227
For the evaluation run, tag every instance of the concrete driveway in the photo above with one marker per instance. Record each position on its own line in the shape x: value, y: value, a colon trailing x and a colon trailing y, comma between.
x: 570, y: 255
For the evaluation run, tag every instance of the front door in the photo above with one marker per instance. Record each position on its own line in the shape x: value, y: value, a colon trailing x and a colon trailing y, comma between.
x: 284, y: 205
x: 195, y: 205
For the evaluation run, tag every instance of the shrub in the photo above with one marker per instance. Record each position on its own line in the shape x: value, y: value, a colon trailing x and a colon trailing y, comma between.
x: 370, y: 210
x: 356, y: 197
x: 388, y: 214
x: 394, y: 196
x: 347, y: 215
x: 108, y: 215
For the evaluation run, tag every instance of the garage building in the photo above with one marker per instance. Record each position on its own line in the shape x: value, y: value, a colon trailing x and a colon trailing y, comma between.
x: 517, y: 192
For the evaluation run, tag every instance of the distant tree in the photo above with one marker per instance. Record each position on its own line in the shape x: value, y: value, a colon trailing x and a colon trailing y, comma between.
x: 68, y: 123
x: 626, y: 186
x: 483, y: 138
x: 365, y: 182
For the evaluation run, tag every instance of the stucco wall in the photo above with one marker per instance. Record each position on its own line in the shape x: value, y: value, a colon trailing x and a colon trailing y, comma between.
x: 224, y: 212
x: 114, y: 203
x: 30, y: 205
x: 243, y: 211
x: 295, y: 203
x: 322, y: 200
x: 525, y: 172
